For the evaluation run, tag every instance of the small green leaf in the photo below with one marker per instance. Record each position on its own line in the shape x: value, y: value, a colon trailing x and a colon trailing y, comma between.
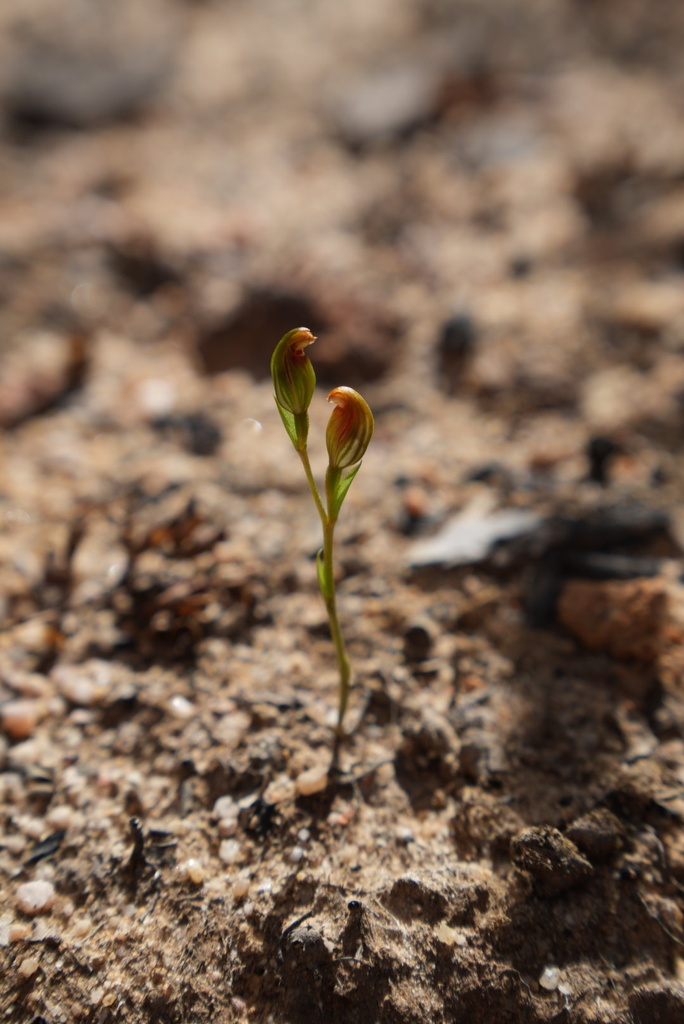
x: 338, y: 487
x: 288, y: 422
x: 344, y: 485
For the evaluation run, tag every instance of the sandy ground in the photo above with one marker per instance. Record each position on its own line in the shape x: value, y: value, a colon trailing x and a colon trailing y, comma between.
x: 479, y: 209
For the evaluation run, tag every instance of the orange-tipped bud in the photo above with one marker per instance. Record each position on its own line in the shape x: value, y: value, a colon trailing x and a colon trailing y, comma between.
x: 293, y: 375
x: 350, y: 428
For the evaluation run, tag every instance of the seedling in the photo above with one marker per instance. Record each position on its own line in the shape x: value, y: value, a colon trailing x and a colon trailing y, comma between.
x: 348, y: 435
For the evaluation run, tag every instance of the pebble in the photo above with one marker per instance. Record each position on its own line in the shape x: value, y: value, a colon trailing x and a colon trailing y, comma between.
x: 241, y: 887
x: 553, y: 861
x: 549, y: 979
x: 35, y: 897
x: 34, y: 751
x: 348, y: 854
x: 96, y: 996
x: 32, y: 635
x: 314, y: 780
x: 598, y: 834
x: 180, y: 707
x: 20, y: 718
x: 230, y: 851
x: 28, y: 967
x: 81, y: 927
x: 192, y: 870
x: 31, y: 827
x: 450, y: 936
x: 281, y: 789
x: 418, y: 642
x: 225, y: 807
x: 83, y: 685
x: 67, y: 909
x: 33, y: 685
x: 296, y: 855
x: 14, y: 844
x: 61, y: 816
x: 227, y: 827
x: 227, y: 811
x: 11, y: 788
x: 231, y: 729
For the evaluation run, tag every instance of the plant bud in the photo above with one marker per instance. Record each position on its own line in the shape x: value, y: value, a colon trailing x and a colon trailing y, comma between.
x: 293, y: 375
x: 350, y: 428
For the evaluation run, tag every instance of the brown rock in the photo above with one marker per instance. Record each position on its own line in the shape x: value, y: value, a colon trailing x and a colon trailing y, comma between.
x: 598, y: 834
x: 553, y: 861
x: 624, y: 619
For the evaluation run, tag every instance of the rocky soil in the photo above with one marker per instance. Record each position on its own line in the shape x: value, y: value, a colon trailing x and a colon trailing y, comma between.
x: 479, y: 209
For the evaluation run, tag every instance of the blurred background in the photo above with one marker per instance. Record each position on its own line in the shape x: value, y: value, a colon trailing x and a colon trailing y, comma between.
x: 485, y: 194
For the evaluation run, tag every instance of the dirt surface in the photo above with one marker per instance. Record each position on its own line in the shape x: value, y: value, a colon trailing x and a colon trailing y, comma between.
x: 479, y: 209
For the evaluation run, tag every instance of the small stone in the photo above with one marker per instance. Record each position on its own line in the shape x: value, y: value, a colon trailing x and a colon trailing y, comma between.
x: 181, y: 708
x: 449, y: 936
x: 418, y: 642
x: 35, y: 897
x: 226, y: 807
x: 84, y: 685
x: 625, y: 618
x: 60, y: 816
x: 549, y: 979
x: 14, y: 844
x: 19, y: 931
x: 28, y: 967
x: 96, y: 996
x: 81, y: 927
x: 33, y: 685
x: 231, y: 728
x: 31, y: 827
x: 296, y: 855
x: 43, y: 931
x: 66, y: 910
x: 33, y: 751
x: 598, y: 834
x: 553, y: 861
x: 280, y: 790
x: 230, y: 851
x: 20, y: 718
x: 241, y: 887
x: 192, y: 870
x: 314, y: 780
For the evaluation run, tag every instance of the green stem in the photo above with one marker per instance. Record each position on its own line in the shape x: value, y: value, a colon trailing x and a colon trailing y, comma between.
x: 343, y: 662
x: 304, y: 456
x: 327, y: 580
